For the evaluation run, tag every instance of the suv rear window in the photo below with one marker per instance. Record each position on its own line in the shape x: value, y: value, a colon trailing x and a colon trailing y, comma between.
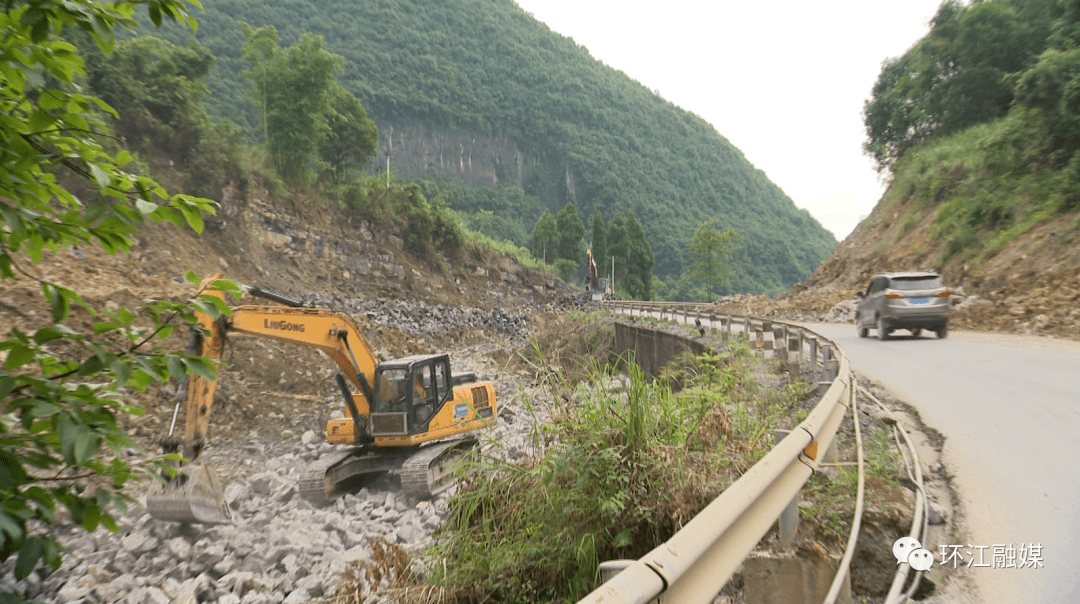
x: 914, y: 283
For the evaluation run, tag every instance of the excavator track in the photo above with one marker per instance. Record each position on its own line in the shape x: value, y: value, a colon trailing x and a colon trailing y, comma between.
x: 312, y: 485
x: 430, y: 470
x: 348, y: 473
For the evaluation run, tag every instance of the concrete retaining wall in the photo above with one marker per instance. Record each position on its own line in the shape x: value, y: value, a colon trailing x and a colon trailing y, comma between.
x: 652, y: 349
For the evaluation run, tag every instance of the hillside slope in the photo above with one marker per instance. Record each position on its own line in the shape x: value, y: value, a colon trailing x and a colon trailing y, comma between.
x: 484, y: 92
x: 1032, y: 285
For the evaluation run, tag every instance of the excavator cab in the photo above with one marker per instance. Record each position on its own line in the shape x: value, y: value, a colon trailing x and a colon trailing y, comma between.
x: 408, y: 393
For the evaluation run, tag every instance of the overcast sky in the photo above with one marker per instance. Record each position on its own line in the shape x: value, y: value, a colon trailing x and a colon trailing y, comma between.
x: 783, y: 80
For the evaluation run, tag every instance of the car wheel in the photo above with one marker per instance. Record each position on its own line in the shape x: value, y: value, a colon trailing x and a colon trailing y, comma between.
x: 916, y: 332
x: 882, y: 333
x: 863, y: 331
x: 943, y: 332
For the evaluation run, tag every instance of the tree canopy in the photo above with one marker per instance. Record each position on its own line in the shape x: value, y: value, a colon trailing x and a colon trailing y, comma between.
x: 711, y: 250
x: 571, y: 231
x: 545, y: 238
x: 634, y: 259
x: 963, y: 73
x: 309, y: 120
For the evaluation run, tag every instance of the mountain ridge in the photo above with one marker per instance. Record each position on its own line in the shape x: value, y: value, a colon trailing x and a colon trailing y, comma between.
x: 604, y: 140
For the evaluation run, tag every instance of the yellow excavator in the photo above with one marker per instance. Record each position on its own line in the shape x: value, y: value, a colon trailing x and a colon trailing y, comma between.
x: 409, y: 415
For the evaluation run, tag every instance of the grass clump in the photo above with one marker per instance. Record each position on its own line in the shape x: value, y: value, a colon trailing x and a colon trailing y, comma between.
x: 986, y: 186
x: 624, y: 464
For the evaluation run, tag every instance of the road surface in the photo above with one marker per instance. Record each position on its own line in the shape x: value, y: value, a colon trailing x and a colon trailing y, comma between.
x: 1009, y: 408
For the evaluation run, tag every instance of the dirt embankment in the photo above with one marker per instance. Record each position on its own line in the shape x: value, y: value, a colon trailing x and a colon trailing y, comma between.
x: 272, y: 399
x: 1032, y: 285
x: 311, y: 252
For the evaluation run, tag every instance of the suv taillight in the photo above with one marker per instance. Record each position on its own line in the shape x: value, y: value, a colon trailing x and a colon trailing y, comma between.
x: 944, y: 294
x: 895, y: 296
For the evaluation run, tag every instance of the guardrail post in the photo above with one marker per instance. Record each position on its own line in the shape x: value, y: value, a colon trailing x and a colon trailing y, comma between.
x: 832, y: 366
x: 767, y: 328
x: 826, y: 362
x: 829, y: 461
x: 813, y: 355
x: 802, y: 335
x: 712, y: 324
x: 789, y: 518
x: 760, y: 342
x: 746, y: 329
x: 794, y: 346
x: 779, y: 345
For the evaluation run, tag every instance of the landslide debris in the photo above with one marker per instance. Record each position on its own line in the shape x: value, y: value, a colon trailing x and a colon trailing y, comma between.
x: 1030, y: 286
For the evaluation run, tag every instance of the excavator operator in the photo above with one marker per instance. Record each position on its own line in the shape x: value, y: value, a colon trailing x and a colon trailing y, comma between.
x: 391, y: 393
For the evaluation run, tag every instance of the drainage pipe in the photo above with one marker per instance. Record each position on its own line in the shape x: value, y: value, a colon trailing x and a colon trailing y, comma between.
x: 900, y: 577
x: 856, y: 522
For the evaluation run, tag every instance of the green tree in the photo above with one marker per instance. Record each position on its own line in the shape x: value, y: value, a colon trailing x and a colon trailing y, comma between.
x: 710, y: 251
x: 617, y: 247
x: 1052, y: 89
x: 961, y: 74
x: 599, y: 243
x: 258, y: 51
x: 351, y: 137
x: 545, y: 238
x: 639, y: 260
x: 63, y: 387
x: 571, y: 232
x: 634, y: 258
x: 296, y: 85
x: 156, y: 88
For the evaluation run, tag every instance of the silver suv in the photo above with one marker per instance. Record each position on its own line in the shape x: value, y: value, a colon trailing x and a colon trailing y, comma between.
x: 912, y: 301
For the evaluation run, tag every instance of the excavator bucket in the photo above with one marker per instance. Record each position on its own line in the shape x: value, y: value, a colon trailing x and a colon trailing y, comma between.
x: 193, y: 495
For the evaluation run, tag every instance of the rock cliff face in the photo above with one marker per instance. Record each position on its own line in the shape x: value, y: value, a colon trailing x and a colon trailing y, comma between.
x: 479, y: 160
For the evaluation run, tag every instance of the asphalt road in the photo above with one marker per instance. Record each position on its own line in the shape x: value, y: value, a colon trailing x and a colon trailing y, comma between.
x: 1009, y: 408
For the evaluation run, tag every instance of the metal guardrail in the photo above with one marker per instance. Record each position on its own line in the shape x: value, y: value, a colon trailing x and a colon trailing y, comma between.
x: 698, y: 560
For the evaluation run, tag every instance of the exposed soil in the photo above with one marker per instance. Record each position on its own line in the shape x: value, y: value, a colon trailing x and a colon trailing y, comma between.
x: 1031, y: 286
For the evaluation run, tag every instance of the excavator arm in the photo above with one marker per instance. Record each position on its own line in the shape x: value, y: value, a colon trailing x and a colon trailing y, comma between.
x: 331, y: 332
x: 593, y: 277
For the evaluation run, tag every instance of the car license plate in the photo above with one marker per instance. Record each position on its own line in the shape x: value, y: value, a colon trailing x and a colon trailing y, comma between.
x: 920, y: 300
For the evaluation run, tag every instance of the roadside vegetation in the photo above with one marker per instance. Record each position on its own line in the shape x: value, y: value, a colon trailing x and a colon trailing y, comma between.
x: 624, y: 463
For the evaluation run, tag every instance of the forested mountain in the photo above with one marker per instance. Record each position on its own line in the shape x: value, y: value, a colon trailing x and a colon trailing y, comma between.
x: 979, y: 124
x: 485, y: 81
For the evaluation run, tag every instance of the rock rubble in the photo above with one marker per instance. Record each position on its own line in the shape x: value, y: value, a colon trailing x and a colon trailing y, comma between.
x: 281, y: 548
